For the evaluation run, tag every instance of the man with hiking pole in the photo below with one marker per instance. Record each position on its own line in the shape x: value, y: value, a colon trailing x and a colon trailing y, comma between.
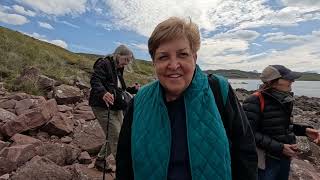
x: 109, y: 98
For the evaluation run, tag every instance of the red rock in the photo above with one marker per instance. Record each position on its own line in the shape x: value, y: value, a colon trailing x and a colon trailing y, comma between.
x: 82, y: 172
x: 85, y: 158
x: 66, y: 139
x: 32, y: 119
x: 8, y: 104
x: 86, y: 115
x: 303, y: 170
x: 20, y: 139
x: 61, y: 154
x: 19, y: 154
x: 19, y: 96
x: 41, y: 168
x: 23, y: 105
x: 6, y: 116
x: 3, y: 145
x: 89, y: 137
x: 6, y: 166
x: 5, y: 177
x: 65, y: 94
x: 64, y: 108
x: 59, y: 125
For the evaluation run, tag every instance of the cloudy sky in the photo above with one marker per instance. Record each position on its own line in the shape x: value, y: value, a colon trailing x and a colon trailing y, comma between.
x: 236, y: 34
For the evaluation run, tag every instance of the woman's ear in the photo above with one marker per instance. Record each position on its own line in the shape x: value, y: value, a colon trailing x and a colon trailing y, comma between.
x: 195, y: 57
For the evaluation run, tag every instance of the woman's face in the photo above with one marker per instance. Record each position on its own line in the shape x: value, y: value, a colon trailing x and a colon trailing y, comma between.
x: 174, y: 64
x: 283, y: 85
x: 123, y: 60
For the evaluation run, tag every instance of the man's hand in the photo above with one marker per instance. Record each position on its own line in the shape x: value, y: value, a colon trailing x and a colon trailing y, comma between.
x: 290, y: 150
x: 108, y: 98
x: 314, y: 135
x: 137, y: 86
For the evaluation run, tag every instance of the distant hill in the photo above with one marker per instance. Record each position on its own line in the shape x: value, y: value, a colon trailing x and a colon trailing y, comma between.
x: 238, y: 74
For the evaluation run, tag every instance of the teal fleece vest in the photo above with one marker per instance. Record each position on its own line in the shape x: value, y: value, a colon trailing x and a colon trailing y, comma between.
x: 151, y: 133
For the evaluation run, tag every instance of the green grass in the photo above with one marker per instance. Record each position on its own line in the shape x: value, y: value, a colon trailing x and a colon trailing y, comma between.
x: 18, y: 51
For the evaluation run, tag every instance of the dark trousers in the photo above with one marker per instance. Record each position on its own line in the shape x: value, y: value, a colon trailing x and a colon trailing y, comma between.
x: 275, y: 169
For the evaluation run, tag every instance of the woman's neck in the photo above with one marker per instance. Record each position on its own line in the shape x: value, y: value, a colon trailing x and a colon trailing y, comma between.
x: 171, y: 97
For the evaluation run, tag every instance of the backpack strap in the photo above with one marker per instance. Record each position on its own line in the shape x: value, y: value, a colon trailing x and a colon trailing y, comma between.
x: 261, y: 99
x: 220, y: 89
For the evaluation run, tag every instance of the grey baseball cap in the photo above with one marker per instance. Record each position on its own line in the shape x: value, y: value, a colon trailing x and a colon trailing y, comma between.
x: 273, y: 72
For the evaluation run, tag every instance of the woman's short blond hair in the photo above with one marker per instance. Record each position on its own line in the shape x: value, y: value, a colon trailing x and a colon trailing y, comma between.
x: 174, y: 28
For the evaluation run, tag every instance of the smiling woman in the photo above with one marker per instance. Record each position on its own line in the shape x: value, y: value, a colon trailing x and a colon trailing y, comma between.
x: 173, y: 128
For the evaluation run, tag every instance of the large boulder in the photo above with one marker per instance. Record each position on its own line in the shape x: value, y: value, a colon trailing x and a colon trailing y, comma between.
x: 59, y: 125
x: 6, y: 116
x: 85, y: 115
x: 20, y: 139
x: 61, y: 154
x: 19, y: 154
x: 26, y: 104
x: 64, y: 108
x: 40, y: 168
x: 3, y: 144
x: 82, y: 172
x: 46, y: 83
x: 89, y: 136
x: 303, y: 170
x: 19, y: 96
x: 6, y: 166
x: 65, y: 94
x: 8, y: 103
x: 23, y: 105
x: 32, y: 119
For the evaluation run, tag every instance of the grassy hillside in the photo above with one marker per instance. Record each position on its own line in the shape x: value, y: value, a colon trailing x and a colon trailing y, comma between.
x: 18, y: 51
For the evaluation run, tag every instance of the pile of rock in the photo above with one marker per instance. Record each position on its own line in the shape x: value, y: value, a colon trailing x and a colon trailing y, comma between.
x: 48, y: 138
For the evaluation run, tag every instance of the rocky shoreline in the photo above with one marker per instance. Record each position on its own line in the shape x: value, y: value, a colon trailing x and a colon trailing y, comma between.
x: 58, y: 137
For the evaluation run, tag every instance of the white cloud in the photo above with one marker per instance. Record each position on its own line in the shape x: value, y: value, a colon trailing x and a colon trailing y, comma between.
x: 217, y: 47
x: 59, y: 43
x: 57, y: 7
x: 304, y: 3
x: 301, y: 57
x: 248, y: 35
x: 40, y: 37
x: 142, y: 16
x: 14, y: 19
x: 284, y: 38
x: 69, y: 24
x: 143, y: 47
x: 21, y: 10
x: 45, y: 25
x: 4, y: 8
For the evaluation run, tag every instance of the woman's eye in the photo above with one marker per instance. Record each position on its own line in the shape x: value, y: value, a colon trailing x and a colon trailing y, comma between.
x: 184, y: 54
x: 162, y: 57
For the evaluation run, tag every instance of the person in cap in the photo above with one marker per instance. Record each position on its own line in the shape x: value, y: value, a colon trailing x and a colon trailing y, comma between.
x: 186, y: 124
x: 108, y: 88
x: 269, y: 111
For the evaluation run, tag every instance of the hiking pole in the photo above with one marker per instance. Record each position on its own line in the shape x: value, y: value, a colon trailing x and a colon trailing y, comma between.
x: 107, y: 144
